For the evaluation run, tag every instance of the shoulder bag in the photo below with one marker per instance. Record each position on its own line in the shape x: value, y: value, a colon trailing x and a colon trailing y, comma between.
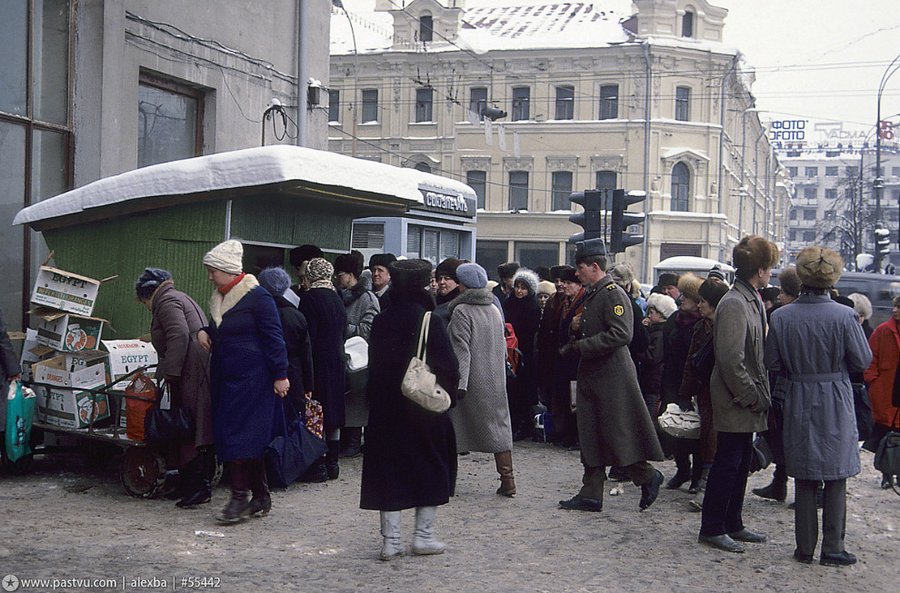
x: 164, y: 423
x: 887, y: 455
x: 293, y: 451
x: 419, y: 383
x: 682, y: 424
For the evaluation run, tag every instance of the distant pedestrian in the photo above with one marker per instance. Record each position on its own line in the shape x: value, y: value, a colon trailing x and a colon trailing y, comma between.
x: 614, y: 427
x: 816, y: 344
x: 884, y: 382
x: 739, y: 389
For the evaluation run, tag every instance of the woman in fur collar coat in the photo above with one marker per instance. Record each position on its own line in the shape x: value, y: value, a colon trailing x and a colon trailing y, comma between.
x: 521, y: 309
x: 248, y: 375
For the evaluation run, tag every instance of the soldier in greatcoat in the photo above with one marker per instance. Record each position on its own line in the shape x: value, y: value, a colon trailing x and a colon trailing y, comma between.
x: 614, y: 426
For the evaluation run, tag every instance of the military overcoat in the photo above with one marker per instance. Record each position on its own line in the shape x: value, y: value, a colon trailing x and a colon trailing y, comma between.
x: 614, y: 426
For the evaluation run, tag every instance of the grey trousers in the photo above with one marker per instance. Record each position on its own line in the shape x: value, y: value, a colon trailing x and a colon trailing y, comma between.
x: 834, y: 515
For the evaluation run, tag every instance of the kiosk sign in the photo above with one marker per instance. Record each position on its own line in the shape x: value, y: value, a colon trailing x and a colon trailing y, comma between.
x: 455, y: 205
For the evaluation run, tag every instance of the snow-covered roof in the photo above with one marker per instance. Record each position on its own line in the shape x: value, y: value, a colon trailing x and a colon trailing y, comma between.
x: 247, y: 168
x: 489, y: 27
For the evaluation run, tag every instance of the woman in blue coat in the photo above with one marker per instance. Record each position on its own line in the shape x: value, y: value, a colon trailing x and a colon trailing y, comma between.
x: 814, y: 345
x: 248, y: 372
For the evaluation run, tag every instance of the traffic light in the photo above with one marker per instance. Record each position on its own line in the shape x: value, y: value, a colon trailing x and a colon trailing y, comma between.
x: 592, y: 202
x: 882, y: 241
x: 619, y: 237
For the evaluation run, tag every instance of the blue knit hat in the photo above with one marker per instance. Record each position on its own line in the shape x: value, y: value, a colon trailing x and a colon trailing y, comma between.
x: 472, y: 275
x: 149, y: 281
x: 275, y: 280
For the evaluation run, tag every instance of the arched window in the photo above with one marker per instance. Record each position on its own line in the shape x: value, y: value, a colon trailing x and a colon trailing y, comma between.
x: 681, y: 183
x: 687, y: 24
x: 426, y: 28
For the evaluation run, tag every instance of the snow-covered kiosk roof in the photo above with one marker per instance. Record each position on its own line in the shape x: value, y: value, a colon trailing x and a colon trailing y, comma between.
x: 290, y: 170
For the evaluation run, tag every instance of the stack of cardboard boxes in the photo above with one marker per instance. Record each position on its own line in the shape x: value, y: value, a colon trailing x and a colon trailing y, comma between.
x: 61, y: 351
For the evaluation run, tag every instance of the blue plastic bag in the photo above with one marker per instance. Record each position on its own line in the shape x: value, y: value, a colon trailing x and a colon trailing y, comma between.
x: 20, y: 403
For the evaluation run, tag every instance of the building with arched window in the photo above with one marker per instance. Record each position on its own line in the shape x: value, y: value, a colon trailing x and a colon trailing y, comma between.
x: 531, y: 101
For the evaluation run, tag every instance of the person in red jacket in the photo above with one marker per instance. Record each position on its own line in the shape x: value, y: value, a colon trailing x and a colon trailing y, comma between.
x: 881, y: 378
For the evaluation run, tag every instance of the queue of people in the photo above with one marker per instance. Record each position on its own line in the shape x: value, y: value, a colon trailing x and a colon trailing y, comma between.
x: 602, y: 356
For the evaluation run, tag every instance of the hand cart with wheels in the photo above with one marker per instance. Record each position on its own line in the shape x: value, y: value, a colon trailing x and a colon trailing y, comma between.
x: 143, y: 469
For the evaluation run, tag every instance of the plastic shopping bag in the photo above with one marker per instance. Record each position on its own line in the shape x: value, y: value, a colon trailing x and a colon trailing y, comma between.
x: 20, y: 404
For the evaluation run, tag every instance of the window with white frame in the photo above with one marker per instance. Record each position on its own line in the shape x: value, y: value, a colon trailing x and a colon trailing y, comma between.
x: 478, y: 99
x: 560, y: 190
x: 609, y: 101
x: 831, y: 171
x: 426, y: 28
x: 424, y: 105
x: 687, y: 24
x: 682, y: 103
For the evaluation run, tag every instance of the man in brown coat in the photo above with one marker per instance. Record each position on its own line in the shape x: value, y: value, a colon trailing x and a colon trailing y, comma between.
x: 739, y: 389
x: 614, y: 426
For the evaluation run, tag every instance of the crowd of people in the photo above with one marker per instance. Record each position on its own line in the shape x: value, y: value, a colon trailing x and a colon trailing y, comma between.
x: 585, y: 349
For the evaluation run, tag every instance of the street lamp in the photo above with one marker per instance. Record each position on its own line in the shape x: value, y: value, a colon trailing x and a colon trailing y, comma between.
x: 879, y: 178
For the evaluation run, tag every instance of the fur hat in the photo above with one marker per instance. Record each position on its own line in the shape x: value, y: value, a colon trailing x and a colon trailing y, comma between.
x: 226, y: 256
x: 472, y: 275
x: 410, y: 275
x: 448, y: 268
x: 662, y: 303
x: 622, y: 274
x: 712, y: 291
x: 382, y: 259
x: 753, y: 253
x: 149, y: 281
x: 567, y: 274
x: 789, y: 281
x: 689, y: 286
x: 298, y: 255
x: 319, y: 268
x: 555, y: 271
x: 819, y: 267
x: 275, y: 280
x: 351, y: 263
x: 508, y: 270
x: 668, y: 279
x: 546, y: 287
x: 529, y: 278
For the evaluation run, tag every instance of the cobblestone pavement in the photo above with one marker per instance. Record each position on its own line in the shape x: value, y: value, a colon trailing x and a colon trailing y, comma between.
x: 69, y: 521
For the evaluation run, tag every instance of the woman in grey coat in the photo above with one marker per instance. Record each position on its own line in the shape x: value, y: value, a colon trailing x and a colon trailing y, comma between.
x: 815, y: 344
x: 481, y: 418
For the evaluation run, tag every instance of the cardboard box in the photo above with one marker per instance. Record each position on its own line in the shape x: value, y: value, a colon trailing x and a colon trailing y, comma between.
x: 65, y: 291
x: 67, y: 332
x: 84, y: 369
x: 71, y: 408
x: 126, y: 356
x: 33, y: 352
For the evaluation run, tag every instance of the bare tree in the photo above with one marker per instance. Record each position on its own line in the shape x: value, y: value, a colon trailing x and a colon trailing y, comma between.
x: 849, y: 220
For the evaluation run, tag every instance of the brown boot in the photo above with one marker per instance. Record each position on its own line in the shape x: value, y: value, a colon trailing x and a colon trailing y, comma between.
x: 505, y: 469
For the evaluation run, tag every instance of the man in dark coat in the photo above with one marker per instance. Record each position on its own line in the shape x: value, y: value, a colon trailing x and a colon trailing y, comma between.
x: 547, y: 342
x: 9, y: 368
x: 505, y: 272
x: 614, y: 426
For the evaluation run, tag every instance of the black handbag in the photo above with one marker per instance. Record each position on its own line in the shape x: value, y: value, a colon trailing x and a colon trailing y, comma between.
x: 863, y: 408
x: 163, y: 426
x: 291, y: 453
x: 887, y: 455
x: 761, y: 454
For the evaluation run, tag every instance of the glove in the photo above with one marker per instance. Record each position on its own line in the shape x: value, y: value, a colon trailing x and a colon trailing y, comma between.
x: 686, y: 405
x: 460, y: 394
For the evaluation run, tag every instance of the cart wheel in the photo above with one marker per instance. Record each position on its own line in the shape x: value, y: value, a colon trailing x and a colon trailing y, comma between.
x: 143, y: 471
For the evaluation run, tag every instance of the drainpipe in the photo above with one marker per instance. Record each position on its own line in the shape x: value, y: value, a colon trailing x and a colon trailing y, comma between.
x: 648, y: 80
x: 722, y: 109
x: 303, y: 37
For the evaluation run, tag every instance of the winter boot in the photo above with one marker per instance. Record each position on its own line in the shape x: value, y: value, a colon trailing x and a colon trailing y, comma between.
x: 423, y: 537
x: 696, y: 503
x: 238, y: 507
x: 197, y: 488
x: 777, y: 490
x: 316, y: 474
x: 505, y: 469
x: 261, y: 503
x: 697, y: 471
x: 390, y: 533
x: 683, y: 474
x: 331, y: 459
x: 351, y: 441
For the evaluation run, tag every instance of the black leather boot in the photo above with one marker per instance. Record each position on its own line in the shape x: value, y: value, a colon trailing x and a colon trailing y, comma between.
x: 331, y: 460
x: 683, y: 463
x: 238, y: 507
x: 195, y: 481
x: 351, y: 441
x: 777, y: 490
x: 261, y: 503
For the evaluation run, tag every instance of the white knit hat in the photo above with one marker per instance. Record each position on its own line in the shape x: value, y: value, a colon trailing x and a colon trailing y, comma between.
x: 663, y: 303
x: 226, y: 256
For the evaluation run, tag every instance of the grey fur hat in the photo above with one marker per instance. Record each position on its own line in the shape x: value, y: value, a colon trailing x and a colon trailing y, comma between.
x: 528, y: 277
x: 471, y: 275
